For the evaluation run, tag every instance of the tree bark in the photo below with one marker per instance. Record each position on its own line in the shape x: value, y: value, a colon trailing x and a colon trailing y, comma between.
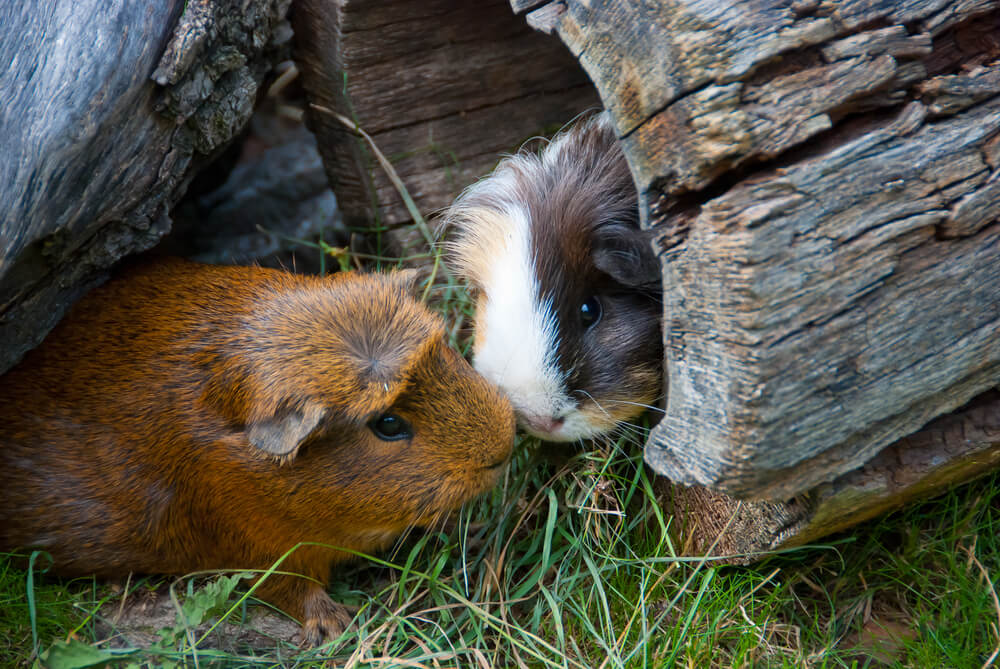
x: 110, y: 108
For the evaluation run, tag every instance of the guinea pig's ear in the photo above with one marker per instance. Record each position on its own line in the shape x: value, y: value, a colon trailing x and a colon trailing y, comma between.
x: 280, y: 434
x: 626, y: 255
x: 407, y: 280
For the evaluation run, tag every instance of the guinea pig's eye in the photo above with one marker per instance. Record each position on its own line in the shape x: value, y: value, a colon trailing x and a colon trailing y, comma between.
x: 390, y: 427
x: 590, y: 311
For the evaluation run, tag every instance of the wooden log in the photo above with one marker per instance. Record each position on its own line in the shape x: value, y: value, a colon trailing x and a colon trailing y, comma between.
x: 109, y: 109
x: 950, y: 450
x: 442, y: 86
x: 823, y: 178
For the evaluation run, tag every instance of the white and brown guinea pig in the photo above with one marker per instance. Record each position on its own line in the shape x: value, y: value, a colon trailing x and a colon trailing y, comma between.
x: 186, y: 417
x: 568, y: 291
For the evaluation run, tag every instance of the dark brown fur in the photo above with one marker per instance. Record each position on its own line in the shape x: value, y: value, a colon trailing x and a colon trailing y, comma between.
x: 187, y: 417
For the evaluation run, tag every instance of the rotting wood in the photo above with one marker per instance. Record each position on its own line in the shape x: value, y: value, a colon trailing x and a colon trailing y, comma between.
x: 95, y: 152
x: 824, y: 184
x: 442, y: 86
x: 952, y: 449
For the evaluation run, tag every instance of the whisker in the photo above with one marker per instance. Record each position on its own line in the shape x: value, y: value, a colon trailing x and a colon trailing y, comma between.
x: 400, y: 541
x: 629, y: 437
x: 602, y: 441
x: 638, y: 404
x: 634, y: 426
x: 425, y: 506
x: 596, y: 403
x: 630, y: 433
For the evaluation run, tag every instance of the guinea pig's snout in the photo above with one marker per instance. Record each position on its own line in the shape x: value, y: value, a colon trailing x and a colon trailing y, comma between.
x: 542, y: 426
x: 566, y: 423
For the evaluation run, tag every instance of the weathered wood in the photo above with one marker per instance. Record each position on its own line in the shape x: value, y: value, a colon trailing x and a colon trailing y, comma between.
x: 442, y: 86
x: 95, y: 152
x: 823, y: 180
x: 544, y: 18
x: 820, y: 350
x: 952, y: 449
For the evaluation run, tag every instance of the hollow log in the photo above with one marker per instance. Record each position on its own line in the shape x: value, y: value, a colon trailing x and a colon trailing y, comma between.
x: 443, y: 87
x: 109, y: 110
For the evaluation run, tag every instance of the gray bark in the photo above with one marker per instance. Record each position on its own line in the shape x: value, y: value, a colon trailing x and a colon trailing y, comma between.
x: 96, y: 151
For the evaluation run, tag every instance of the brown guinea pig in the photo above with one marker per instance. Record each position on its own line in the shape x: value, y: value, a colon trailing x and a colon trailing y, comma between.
x: 568, y: 290
x: 187, y: 417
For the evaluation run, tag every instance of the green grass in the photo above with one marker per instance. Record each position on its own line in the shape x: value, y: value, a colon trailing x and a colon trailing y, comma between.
x: 568, y: 564
x: 54, y: 605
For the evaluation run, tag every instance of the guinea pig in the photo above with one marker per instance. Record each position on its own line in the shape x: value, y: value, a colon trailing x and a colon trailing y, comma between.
x: 568, y: 290
x: 186, y: 417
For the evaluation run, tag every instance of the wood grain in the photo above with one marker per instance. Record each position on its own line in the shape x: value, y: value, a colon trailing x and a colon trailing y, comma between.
x: 444, y: 88
x: 95, y: 152
x: 805, y: 296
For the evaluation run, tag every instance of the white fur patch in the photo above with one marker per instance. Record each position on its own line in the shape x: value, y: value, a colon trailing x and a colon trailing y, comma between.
x: 519, y: 334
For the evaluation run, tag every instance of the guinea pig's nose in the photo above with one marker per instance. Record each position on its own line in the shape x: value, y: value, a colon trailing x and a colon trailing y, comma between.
x: 543, y: 426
